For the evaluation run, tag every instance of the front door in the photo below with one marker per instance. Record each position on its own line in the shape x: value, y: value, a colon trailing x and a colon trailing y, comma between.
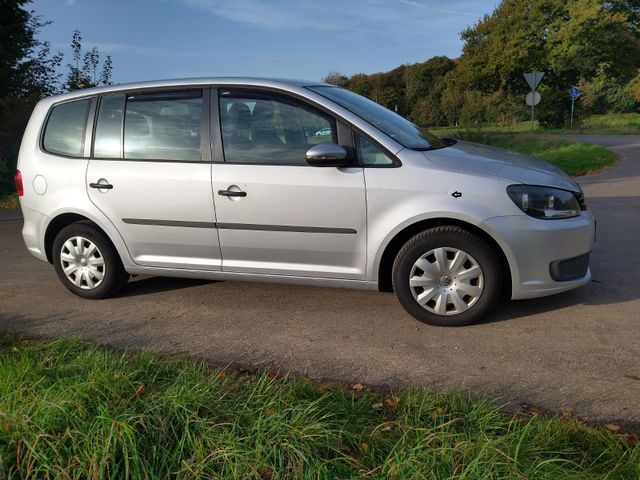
x: 276, y: 214
x: 147, y: 175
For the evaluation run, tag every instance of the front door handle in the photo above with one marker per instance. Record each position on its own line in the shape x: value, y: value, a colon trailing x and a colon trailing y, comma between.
x: 232, y: 193
x: 106, y: 186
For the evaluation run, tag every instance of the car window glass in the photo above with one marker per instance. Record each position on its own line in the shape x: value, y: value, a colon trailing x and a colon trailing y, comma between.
x: 163, y: 126
x: 392, y: 124
x: 64, y: 133
x: 371, y: 154
x: 267, y: 130
x: 108, y: 136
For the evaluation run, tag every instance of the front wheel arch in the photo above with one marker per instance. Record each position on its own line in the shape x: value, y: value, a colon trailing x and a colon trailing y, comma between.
x: 385, y: 268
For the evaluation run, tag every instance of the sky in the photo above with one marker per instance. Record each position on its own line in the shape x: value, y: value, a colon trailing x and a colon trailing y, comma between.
x: 158, y: 39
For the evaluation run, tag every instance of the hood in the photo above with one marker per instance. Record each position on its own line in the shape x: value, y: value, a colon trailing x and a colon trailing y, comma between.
x: 473, y: 157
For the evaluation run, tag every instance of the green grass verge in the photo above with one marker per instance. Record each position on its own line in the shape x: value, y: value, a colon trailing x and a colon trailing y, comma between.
x: 74, y: 410
x: 572, y: 157
x: 9, y: 201
x: 608, y: 124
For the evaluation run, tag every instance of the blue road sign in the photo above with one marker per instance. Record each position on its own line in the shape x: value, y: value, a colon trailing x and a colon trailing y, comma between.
x: 574, y: 92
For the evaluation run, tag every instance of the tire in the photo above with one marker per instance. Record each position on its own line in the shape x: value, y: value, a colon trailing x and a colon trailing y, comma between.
x: 459, y: 282
x: 98, y: 271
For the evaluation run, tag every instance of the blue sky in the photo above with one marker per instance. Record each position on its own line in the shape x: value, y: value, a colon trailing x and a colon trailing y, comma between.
x: 154, y: 39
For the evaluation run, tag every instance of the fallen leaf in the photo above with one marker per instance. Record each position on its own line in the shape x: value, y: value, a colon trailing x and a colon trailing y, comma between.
x: 272, y: 375
x: 632, y: 440
x: 612, y: 427
x: 139, y: 391
x: 391, y: 402
x: 566, y: 412
x: 270, y: 413
x: 222, y: 376
x: 388, y: 426
x: 358, y: 387
x: 377, y: 406
x: 364, y: 447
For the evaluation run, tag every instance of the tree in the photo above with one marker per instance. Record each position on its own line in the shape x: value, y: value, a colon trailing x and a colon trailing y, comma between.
x: 87, y: 76
x: 570, y: 40
x: 107, y: 68
x: 28, y: 72
x: 336, y: 78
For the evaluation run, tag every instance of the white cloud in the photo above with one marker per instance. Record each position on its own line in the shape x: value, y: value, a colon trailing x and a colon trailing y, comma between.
x: 386, y: 17
x: 108, y: 48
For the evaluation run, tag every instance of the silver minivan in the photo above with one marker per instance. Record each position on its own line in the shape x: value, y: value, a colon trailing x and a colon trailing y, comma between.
x: 296, y: 182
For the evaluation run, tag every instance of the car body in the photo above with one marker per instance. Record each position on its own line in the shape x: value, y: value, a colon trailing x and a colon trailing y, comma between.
x: 216, y: 178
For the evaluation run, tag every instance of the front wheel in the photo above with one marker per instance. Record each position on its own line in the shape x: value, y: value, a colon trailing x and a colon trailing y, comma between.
x: 447, y: 276
x: 87, y: 263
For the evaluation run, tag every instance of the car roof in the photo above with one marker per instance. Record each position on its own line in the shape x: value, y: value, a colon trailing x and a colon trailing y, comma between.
x: 280, y: 83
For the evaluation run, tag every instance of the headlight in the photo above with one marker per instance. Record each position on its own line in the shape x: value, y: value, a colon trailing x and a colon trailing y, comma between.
x: 544, y: 202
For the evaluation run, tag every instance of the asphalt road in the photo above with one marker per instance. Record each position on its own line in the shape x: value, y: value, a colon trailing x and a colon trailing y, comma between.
x: 577, y: 351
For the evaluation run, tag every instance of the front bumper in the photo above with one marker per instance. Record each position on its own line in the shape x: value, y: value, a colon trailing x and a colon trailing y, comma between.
x: 534, y: 247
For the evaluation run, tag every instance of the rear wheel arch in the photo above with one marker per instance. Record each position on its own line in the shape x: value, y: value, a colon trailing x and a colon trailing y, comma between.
x: 60, y: 222
x: 385, y: 267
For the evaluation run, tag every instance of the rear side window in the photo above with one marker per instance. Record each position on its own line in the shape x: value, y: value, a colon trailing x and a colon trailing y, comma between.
x: 108, y: 136
x: 64, y: 133
x: 163, y: 126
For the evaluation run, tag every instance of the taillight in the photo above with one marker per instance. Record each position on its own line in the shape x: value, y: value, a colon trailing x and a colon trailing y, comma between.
x: 19, y: 187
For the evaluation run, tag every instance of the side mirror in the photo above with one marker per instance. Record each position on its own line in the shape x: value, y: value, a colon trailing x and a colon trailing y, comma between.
x: 327, y: 155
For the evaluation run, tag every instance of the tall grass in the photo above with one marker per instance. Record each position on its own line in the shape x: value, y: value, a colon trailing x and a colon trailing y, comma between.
x: 73, y: 410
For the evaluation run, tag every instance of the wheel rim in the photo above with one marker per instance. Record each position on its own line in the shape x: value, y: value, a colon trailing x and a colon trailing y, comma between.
x: 446, y: 281
x: 82, y: 263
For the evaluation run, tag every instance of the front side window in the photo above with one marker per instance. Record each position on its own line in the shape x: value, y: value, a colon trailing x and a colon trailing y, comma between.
x: 64, y: 133
x: 370, y: 154
x: 163, y: 126
x: 270, y: 130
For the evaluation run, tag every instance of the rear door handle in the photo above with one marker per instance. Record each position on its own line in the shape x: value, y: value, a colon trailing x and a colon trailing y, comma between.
x: 106, y: 186
x: 232, y: 193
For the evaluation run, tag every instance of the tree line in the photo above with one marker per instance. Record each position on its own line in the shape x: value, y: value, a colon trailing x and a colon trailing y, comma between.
x: 591, y: 44
x: 30, y: 71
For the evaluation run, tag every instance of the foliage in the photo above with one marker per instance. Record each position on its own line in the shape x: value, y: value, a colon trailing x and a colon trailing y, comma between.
x: 73, y: 410
x: 87, y: 75
x: 28, y: 72
x: 594, y: 44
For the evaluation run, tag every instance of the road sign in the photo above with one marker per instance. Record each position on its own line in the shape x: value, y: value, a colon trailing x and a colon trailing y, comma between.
x: 533, y: 79
x: 533, y: 98
x: 573, y: 93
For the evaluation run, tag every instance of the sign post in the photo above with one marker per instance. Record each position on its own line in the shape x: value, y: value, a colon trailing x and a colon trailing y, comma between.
x: 573, y: 93
x: 533, y: 97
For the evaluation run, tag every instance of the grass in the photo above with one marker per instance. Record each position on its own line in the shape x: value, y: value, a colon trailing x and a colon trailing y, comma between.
x: 74, y: 410
x: 608, y: 124
x: 574, y: 158
x: 9, y: 201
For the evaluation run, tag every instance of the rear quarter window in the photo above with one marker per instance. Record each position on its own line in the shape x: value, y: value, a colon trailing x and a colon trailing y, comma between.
x: 65, y: 128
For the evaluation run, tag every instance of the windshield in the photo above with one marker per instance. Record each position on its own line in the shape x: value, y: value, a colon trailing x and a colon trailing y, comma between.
x: 397, y: 127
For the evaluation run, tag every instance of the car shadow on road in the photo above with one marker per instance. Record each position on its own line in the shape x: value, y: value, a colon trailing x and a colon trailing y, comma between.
x: 148, y: 285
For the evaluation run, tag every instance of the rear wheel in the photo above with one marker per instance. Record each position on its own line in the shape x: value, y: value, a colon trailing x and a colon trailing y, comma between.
x: 87, y: 263
x: 447, y: 276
